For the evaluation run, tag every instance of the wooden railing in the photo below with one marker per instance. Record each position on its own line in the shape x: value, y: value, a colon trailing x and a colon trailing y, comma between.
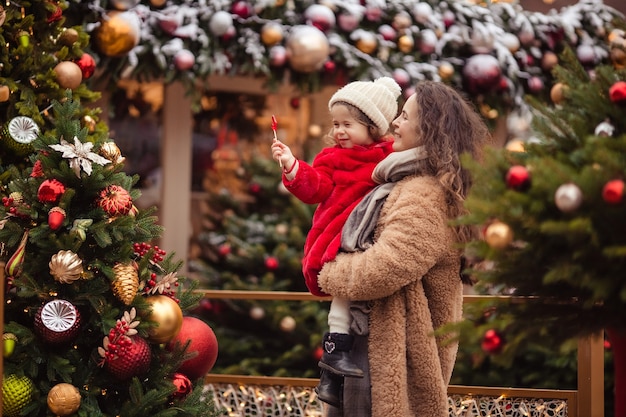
x: 586, y: 401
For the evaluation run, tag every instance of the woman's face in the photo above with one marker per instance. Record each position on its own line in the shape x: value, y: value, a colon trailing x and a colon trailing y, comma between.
x: 405, y: 127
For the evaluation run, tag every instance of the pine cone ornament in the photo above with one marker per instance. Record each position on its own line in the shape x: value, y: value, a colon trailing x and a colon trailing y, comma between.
x: 126, y: 282
x: 17, y: 391
x: 132, y: 360
x: 115, y: 200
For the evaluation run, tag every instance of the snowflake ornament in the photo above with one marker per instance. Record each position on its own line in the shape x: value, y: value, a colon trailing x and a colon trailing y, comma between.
x: 80, y: 155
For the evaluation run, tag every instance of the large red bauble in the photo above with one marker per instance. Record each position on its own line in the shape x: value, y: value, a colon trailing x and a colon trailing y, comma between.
x: 203, y: 344
x: 613, y: 191
x: 481, y: 73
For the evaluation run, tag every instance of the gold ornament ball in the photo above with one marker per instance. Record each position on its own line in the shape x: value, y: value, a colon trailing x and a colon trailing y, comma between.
x: 406, y: 43
x: 111, y: 151
x: 68, y: 37
x: 367, y: 44
x: 63, y: 399
x: 315, y: 130
x: 618, y: 57
x: 307, y: 48
x: 68, y: 74
x: 5, y: 93
x: 557, y: 93
x: 271, y: 33
x: 446, y: 71
x: 549, y: 60
x: 498, y: 235
x: 167, y: 313
x: 118, y: 33
x: 17, y: 392
x: 515, y: 145
x: 157, y: 3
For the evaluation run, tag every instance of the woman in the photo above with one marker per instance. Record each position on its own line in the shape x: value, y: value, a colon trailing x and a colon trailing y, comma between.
x: 408, y: 277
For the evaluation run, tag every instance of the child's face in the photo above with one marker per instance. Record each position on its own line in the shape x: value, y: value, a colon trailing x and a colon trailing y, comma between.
x: 348, y: 131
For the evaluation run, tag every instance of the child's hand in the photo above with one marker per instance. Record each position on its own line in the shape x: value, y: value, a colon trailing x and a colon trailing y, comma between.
x: 282, y: 154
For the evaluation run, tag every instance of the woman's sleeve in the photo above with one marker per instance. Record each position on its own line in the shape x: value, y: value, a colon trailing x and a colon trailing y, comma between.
x: 413, y: 236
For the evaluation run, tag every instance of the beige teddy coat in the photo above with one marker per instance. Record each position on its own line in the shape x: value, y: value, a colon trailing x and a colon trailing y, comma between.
x: 412, y: 274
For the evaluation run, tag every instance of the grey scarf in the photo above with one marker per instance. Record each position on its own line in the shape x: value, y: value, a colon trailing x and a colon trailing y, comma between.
x: 358, y: 232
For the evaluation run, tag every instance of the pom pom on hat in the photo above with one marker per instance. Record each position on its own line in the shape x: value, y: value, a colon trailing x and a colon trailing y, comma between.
x: 378, y: 99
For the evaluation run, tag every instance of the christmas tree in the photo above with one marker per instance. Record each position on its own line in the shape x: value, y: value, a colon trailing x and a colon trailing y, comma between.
x: 253, y: 240
x: 552, y: 219
x: 94, y: 312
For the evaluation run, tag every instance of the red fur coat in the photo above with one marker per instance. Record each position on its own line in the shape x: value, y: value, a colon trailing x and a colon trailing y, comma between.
x: 338, y: 179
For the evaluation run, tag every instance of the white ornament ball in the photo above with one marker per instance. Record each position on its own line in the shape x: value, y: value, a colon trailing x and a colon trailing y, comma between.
x: 568, y: 197
x: 278, y: 56
x: 428, y: 41
x: 184, y: 60
x: 220, y: 23
x: 422, y: 12
x: 604, y: 129
x: 320, y: 16
x: 307, y: 48
x: 510, y: 41
x: 257, y: 313
x: 288, y: 324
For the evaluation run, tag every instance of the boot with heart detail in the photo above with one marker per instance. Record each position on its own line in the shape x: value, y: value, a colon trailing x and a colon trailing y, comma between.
x: 336, y: 357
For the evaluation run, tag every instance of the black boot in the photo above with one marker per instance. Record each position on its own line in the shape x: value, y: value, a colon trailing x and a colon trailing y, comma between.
x: 330, y: 388
x: 336, y: 357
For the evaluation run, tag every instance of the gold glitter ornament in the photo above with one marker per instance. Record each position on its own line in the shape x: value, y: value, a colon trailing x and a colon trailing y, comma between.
x: 66, y: 267
x: 167, y: 314
x: 110, y: 151
x: 118, y: 33
x: 68, y: 37
x: 126, y: 282
x: 68, y: 75
x: 17, y: 392
x: 446, y: 71
x: 406, y: 43
x: 64, y: 399
x: 498, y: 235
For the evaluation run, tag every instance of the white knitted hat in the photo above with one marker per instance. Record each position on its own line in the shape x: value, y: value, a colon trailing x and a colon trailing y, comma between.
x: 378, y: 99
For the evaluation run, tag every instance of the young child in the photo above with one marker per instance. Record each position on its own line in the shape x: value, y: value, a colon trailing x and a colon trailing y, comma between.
x: 338, y: 179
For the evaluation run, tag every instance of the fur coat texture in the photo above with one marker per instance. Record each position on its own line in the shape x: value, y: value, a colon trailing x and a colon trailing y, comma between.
x: 338, y: 179
x: 411, y: 277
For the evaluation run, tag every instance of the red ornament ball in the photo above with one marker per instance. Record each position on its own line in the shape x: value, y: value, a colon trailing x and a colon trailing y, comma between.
x: 202, y: 343
x: 57, y: 322
x: 613, y: 192
x: 617, y: 92
x: 87, y: 65
x: 133, y: 361
x: 50, y: 191
x: 518, y: 177
x: 295, y: 103
x: 115, y: 200
x: 482, y: 73
x: 271, y: 263
x: 243, y: 9
x: 492, y: 342
x: 182, y: 384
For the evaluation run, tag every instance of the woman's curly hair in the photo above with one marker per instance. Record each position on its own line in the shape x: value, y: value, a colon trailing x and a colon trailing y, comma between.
x: 449, y: 126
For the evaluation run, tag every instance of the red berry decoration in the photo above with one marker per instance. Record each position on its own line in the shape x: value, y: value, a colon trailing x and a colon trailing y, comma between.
x: 617, y: 92
x: 57, y: 322
x: 613, y: 192
x: 123, y: 353
x: 492, y: 342
x: 115, y: 200
x: 50, y: 191
x: 518, y: 178
x: 56, y: 217
x: 243, y: 9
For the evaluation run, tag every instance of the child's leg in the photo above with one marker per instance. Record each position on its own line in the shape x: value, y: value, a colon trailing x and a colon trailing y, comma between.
x: 338, y: 341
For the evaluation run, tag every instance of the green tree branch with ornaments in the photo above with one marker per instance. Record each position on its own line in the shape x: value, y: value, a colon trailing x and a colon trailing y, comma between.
x: 552, y: 215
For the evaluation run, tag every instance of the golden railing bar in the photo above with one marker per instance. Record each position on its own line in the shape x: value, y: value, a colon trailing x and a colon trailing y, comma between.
x: 591, y: 376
